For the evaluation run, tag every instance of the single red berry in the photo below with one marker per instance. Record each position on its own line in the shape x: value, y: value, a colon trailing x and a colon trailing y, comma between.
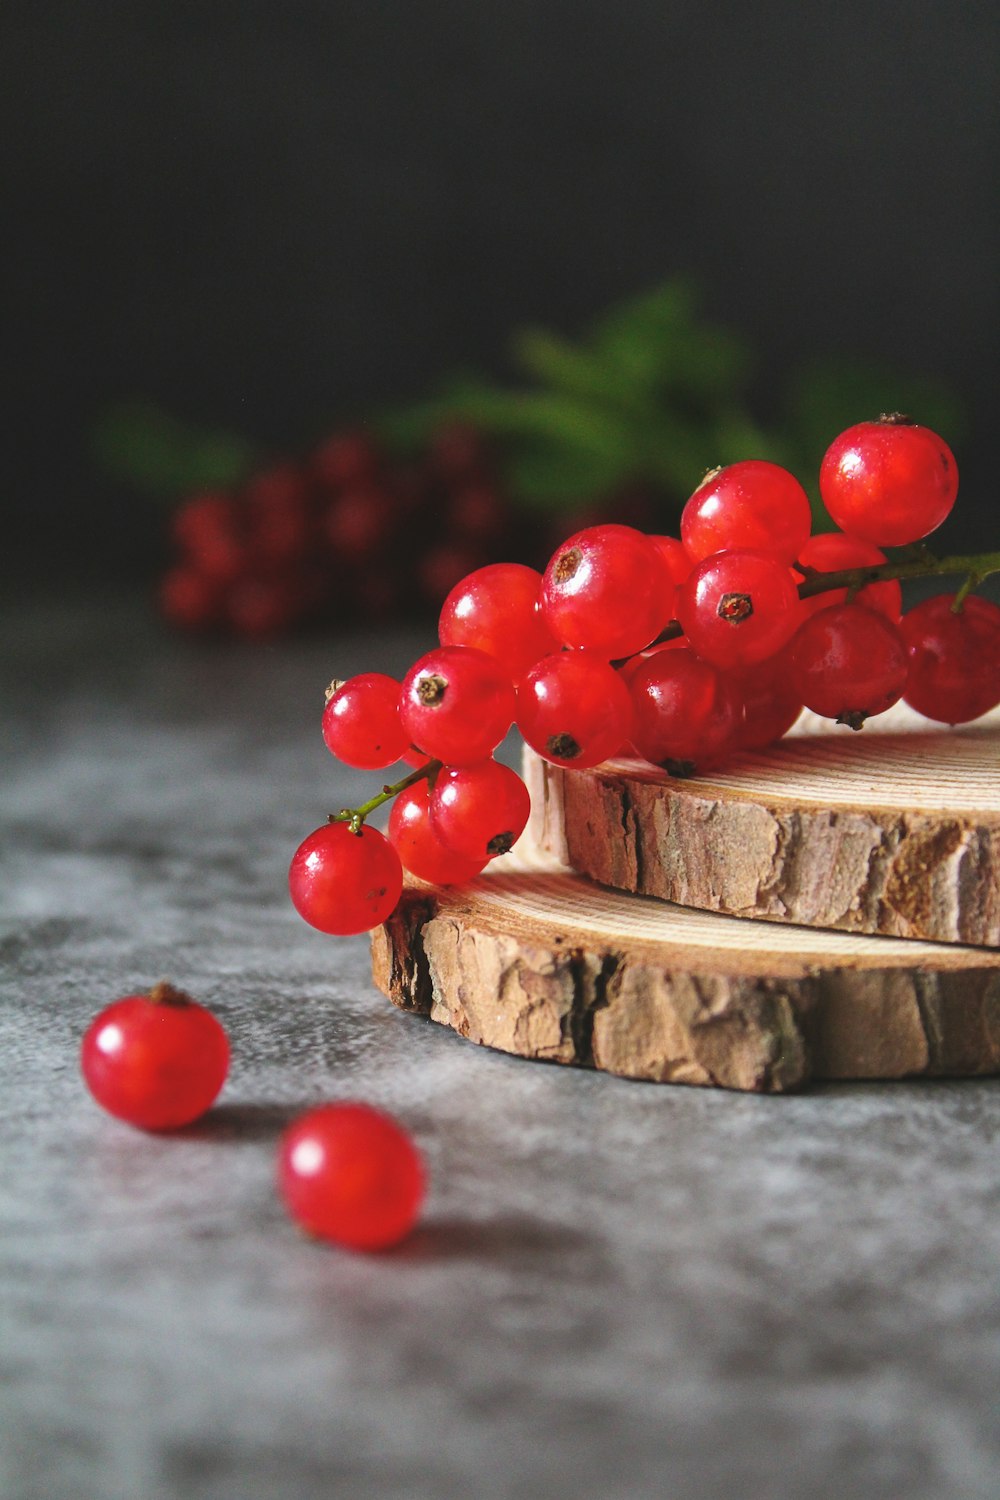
x: 496, y: 609
x: 209, y: 528
x: 157, y: 1060
x: 607, y: 589
x: 687, y: 713
x: 361, y: 722
x: 346, y: 458
x: 358, y: 522
x: 771, y: 703
x: 351, y: 1174
x: 832, y: 552
x: 574, y: 709
x: 418, y: 846
x: 848, y: 663
x: 954, y: 658
x: 738, y: 608
x: 457, y: 704
x: 479, y: 811
x: 755, y: 506
x: 343, y: 882
x: 890, y: 482
x: 188, y: 598
x: 261, y: 605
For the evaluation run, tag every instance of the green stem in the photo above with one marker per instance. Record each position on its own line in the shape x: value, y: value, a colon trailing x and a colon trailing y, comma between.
x: 356, y: 816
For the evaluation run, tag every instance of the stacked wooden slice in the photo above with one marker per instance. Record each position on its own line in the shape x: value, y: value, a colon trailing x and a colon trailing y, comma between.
x: 829, y: 908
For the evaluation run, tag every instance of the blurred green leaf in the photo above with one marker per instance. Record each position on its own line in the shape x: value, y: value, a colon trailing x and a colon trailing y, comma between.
x: 141, y: 445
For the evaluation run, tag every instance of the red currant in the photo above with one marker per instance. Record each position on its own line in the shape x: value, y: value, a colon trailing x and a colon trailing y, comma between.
x: 457, y: 704
x: 343, y: 882
x: 421, y: 851
x: 890, y: 482
x: 361, y: 722
x: 479, y: 811
x: 771, y: 703
x: 848, y: 663
x: 954, y: 658
x: 832, y: 552
x: 608, y: 589
x: 687, y: 714
x: 157, y: 1060
x: 755, y: 506
x: 738, y: 608
x: 574, y: 709
x: 496, y: 610
x: 351, y: 1174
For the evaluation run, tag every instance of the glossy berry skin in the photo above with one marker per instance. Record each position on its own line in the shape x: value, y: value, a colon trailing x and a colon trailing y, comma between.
x: 607, y: 589
x: 755, y: 506
x: 889, y: 482
x: 833, y: 551
x: 479, y: 811
x: 456, y: 704
x: 157, y: 1061
x: 343, y: 882
x: 687, y: 713
x: 771, y: 703
x: 361, y: 723
x: 496, y: 609
x: 954, y: 658
x: 351, y: 1174
x: 421, y: 851
x: 848, y: 663
x: 574, y: 709
x: 738, y: 608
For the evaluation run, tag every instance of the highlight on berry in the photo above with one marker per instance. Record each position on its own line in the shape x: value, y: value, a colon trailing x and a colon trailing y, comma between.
x: 680, y: 651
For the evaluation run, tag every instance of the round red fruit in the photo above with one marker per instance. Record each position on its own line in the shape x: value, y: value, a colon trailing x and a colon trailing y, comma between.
x: 480, y: 811
x: 890, y: 482
x: 457, y: 704
x: 738, y: 608
x: 418, y: 846
x: 574, y: 709
x: 687, y: 713
x: 361, y: 722
x: 954, y: 658
x: 343, y: 882
x: 496, y: 609
x: 848, y: 663
x: 351, y: 1174
x: 607, y: 589
x: 833, y: 552
x: 755, y: 506
x: 157, y: 1060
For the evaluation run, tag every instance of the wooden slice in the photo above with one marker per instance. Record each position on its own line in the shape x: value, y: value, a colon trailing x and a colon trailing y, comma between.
x: 535, y: 960
x: 893, y: 830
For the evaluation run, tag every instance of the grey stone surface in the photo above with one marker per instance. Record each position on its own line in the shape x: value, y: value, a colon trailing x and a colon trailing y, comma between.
x: 618, y: 1290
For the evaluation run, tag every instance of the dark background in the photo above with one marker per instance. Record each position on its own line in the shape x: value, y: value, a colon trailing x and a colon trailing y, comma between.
x: 267, y: 216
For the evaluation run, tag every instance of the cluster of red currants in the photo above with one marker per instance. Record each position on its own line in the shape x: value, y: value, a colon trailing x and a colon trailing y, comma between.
x: 344, y: 534
x: 346, y: 1172
x: 682, y: 651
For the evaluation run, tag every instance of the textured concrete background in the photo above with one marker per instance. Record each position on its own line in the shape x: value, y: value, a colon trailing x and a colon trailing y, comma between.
x: 618, y: 1290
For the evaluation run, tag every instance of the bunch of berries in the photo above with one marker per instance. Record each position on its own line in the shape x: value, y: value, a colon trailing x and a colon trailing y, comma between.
x: 345, y: 534
x: 682, y: 651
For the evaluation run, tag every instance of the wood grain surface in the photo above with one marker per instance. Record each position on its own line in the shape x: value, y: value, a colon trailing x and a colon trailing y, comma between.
x: 538, y: 961
x: 893, y: 830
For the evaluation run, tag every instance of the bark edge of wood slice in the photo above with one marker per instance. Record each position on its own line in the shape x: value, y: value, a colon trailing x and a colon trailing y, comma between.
x: 895, y: 830
x: 535, y: 960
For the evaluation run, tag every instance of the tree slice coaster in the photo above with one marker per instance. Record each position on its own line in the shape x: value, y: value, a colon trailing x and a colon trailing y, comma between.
x: 535, y: 960
x: 895, y: 830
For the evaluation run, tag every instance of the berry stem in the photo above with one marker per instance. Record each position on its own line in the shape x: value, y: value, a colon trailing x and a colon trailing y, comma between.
x: 355, y: 816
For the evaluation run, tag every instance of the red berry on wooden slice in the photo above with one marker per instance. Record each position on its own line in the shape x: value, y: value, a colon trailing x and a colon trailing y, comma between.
x: 738, y: 608
x: 687, y: 713
x: 848, y: 663
x: 574, y: 709
x: 479, y: 811
x: 343, y: 882
x: 157, y: 1060
x: 754, y: 505
x: 457, y: 704
x: 954, y: 658
x: 890, y: 482
x: 607, y: 589
x: 419, y: 847
x: 351, y: 1174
